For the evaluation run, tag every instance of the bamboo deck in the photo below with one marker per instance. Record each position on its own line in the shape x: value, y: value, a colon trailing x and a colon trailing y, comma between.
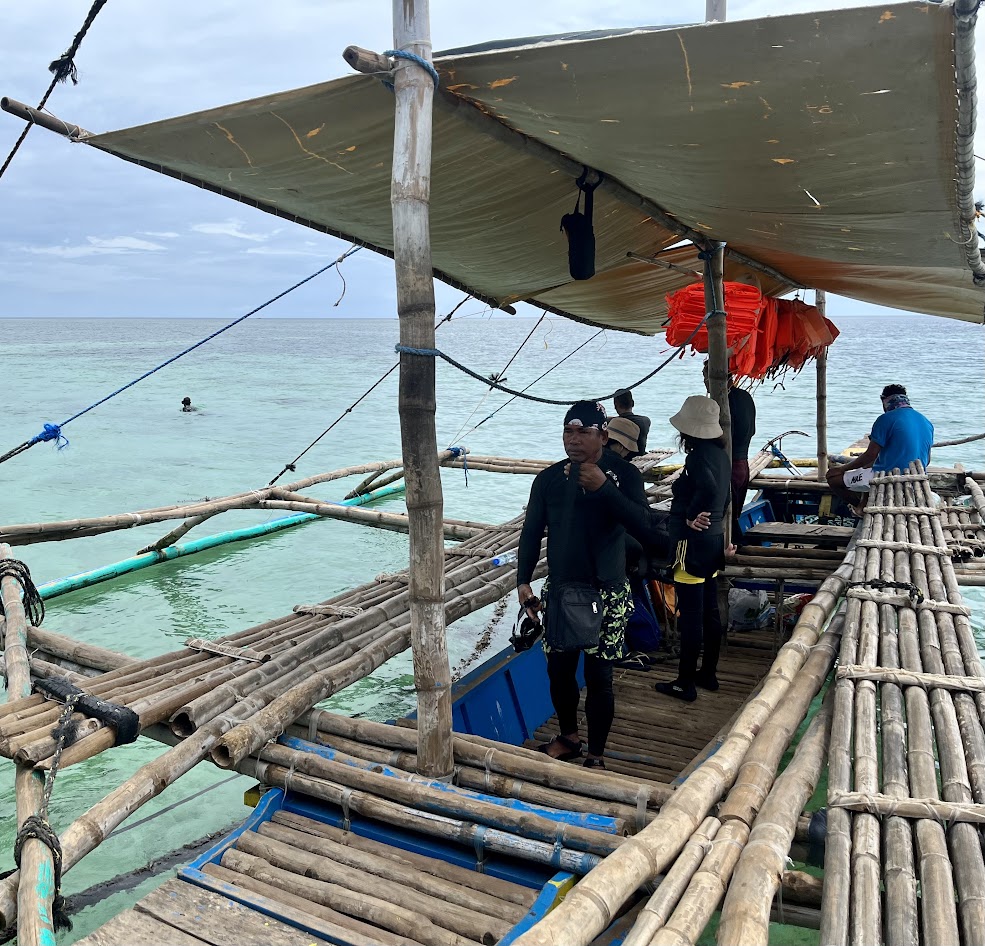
x: 906, y: 790
x: 657, y: 737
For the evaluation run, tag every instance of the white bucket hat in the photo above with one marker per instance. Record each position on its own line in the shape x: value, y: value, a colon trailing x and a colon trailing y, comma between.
x: 699, y: 417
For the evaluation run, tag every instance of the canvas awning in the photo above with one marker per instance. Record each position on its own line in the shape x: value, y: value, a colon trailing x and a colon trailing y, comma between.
x: 822, y: 145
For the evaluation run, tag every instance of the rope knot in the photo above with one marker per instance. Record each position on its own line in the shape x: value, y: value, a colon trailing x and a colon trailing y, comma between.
x: 417, y: 60
x: 51, y: 432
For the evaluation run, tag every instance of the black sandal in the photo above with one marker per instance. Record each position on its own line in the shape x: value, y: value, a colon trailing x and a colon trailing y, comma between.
x: 573, y: 750
x: 594, y: 763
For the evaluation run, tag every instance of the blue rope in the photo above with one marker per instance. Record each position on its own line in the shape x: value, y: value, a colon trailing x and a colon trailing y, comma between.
x: 463, y: 453
x: 54, y: 431
x: 437, y: 353
x: 411, y: 57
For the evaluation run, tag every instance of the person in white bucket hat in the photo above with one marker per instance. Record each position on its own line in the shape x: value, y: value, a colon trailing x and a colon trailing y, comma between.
x: 701, y: 499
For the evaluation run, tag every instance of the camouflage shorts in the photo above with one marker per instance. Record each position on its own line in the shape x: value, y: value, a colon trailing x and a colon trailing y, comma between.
x: 617, y: 606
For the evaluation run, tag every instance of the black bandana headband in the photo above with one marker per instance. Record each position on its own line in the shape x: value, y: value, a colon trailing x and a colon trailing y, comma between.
x: 587, y: 414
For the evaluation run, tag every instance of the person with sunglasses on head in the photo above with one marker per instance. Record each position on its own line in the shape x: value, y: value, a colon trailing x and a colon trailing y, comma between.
x: 584, y: 503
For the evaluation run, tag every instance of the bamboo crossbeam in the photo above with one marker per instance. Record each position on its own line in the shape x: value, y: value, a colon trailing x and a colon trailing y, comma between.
x: 519, y: 898
x: 393, y: 870
x: 461, y: 832
x: 407, y: 924
x: 328, y: 923
x: 291, y: 850
x: 275, y: 718
x: 390, y: 521
x: 497, y: 758
x: 928, y: 808
x: 586, y: 911
x: 24, y: 533
x: 436, y: 801
x: 910, y: 678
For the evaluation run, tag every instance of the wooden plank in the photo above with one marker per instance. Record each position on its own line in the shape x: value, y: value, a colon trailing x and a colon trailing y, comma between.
x: 131, y: 928
x: 799, y: 532
x: 216, y: 920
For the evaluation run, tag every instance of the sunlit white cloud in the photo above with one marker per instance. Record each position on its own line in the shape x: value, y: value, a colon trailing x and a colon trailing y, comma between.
x: 96, y: 246
x: 231, y: 228
x: 162, y: 234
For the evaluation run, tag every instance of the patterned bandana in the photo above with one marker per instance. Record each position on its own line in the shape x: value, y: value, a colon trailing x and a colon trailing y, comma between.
x: 896, y: 401
x: 586, y: 414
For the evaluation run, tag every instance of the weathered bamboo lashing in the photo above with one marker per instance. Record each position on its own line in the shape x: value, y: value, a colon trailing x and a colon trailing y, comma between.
x: 36, y: 893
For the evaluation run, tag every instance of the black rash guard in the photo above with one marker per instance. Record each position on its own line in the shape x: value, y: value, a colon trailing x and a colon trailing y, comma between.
x: 703, y: 486
x: 590, y: 547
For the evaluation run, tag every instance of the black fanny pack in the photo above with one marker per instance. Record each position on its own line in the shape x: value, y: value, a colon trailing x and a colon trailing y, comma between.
x: 574, y: 617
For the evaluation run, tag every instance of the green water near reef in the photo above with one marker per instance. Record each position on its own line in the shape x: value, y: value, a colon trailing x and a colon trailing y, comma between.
x: 265, y: 390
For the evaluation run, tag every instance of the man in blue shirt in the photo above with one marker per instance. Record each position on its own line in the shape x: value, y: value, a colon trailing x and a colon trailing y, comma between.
x: 899, y: 436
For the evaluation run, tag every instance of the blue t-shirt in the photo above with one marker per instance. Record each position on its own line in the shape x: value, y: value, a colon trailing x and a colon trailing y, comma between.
x: 905, y: 435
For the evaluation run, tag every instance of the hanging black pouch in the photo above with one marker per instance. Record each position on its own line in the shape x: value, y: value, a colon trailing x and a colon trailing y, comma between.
x: 574, y: 609
x: 574, y: 617
x: 577, y: 226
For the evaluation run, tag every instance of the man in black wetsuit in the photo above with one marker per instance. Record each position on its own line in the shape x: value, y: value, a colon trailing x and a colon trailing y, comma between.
x: 585, y: 543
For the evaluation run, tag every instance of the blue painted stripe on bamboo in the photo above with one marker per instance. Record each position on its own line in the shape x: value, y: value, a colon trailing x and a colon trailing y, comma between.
x: 61, y: 586
x: 526, y: 873
x: 273, y: 800
x: 553, y: 892
x: 601, y: 823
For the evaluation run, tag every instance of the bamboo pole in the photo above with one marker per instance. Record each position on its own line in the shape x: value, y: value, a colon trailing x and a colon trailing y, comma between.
x: 24, y: 533
x: 504, y: 890
x: 900, y: 917
x: 752, y: 787
x: 280, y: 847
x: 36, y: 894
x: 587, y: 910
x: 473, y: 836
x: 407, y: 924
x: 746, y: 911
x: 391, y: 870
x: 497, y: 757
x: 334, y: 926
x: 274, y: 718
x: 410, y: 199
x: 957, y: 727
x: 820, y: 301
x: 389, y: 521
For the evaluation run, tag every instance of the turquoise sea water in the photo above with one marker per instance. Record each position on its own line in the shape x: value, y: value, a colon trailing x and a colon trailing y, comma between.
x: 265, y: 390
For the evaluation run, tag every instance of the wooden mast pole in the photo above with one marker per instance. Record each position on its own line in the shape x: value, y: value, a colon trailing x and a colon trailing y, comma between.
x: 715, y: 11
x: 410, y: 197
x: 718, y: 348
x: 822, y: 397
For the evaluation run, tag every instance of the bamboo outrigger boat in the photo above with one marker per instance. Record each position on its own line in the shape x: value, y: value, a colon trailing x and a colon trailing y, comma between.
x: 848, y: 168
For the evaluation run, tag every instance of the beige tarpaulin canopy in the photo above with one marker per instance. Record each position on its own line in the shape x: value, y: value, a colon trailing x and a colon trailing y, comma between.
x: 821, y: 145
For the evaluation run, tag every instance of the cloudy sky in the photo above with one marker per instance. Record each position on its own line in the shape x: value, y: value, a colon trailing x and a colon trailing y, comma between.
x: 82, y: 234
